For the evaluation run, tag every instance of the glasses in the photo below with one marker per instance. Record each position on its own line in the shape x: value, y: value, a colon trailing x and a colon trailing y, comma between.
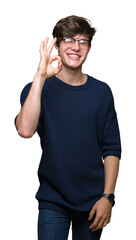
x: 83, y: 43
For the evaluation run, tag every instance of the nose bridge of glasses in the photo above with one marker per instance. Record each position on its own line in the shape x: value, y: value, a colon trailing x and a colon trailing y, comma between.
x: 76, y: 43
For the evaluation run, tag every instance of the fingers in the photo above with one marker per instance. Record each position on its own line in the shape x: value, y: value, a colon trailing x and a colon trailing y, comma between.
x: 43, y: 47
x: 91, y: 214
x: 95, y: 224
x: 55, y: 57
x: 46, y: 59
x: 59, y: 67
x: 51, y: 46
x: 100, y: 222
x: 46, y: 42
x: 103, y: 223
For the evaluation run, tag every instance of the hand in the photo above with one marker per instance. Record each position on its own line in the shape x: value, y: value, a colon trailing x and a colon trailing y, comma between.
x: 102, y: 209
x: 45, y: 69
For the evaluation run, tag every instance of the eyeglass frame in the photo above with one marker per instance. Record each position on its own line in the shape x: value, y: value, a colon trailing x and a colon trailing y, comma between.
x: 76, y: 40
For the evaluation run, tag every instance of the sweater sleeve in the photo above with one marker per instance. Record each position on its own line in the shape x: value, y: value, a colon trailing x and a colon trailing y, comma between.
x: 111, y: 143
x: 23, y: 97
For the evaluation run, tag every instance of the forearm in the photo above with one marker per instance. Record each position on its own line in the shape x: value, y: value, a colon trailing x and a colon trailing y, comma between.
x: 102, y: 208
x: 111, y: 167
x: 28, y: 117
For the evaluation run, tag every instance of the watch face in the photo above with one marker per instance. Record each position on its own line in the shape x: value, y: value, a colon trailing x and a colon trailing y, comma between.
x: 111, y: 196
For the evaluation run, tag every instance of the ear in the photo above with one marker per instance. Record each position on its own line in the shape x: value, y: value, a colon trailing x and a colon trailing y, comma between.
x: 89, y: 48
x: 56, y: 46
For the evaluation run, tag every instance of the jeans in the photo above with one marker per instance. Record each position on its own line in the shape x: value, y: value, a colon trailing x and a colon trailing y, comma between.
x: 54, y: 225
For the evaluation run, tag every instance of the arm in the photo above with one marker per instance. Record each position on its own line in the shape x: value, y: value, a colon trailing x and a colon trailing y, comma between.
x: 111, y: 167
x: 103, y: 207
x: 111, y: 153
x: 28, y: 117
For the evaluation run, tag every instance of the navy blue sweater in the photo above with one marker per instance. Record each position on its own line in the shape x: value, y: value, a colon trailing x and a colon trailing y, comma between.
x: 78, y: 128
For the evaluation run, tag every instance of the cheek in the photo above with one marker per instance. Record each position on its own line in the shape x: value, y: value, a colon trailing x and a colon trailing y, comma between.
x: 85, y: 55
x: 62, y: 54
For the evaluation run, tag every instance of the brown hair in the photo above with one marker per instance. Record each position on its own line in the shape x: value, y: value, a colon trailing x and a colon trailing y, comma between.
x: 72, y: 25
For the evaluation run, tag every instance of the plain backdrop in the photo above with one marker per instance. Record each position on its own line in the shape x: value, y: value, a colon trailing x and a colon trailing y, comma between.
x: 24, y: 24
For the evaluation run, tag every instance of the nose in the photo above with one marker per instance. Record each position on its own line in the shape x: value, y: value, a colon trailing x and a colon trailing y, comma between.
x: 76, y: 46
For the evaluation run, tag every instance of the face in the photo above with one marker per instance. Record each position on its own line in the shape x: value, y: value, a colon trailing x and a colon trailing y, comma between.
x: 73, y: 57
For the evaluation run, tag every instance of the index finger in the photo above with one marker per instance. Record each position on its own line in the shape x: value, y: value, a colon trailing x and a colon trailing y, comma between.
x: 51, y: 46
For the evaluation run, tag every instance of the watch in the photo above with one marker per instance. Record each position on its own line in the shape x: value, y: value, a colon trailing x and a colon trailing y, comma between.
x: 110, y: 197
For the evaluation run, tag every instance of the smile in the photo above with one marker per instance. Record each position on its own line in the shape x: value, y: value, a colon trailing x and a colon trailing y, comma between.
x: 73, y: 56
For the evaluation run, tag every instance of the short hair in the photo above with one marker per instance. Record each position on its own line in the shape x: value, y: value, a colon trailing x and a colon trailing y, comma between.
x: 72, y: 25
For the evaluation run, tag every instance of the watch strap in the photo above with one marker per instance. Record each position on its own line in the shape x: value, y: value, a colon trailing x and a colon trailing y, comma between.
x: 110, y: 197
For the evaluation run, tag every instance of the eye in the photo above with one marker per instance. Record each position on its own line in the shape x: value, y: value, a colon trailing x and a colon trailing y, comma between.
x: 83, y: 41
x: 67, y: 40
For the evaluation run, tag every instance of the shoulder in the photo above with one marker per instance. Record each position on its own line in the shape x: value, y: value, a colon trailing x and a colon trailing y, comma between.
x: 99, y: 83
x: 26, y: 89
x: 101, y: 86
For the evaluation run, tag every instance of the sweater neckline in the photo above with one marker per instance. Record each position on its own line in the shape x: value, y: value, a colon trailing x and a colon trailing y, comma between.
x: 72, y: 87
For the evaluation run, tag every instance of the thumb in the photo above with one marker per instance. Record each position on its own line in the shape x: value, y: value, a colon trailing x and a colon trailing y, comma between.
x: 91, y: 214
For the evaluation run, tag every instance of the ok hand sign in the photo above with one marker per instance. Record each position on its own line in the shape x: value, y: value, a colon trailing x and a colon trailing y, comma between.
x: 45, y: 69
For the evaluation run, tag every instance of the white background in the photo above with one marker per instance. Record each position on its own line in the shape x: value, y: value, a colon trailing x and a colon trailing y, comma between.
x: 24, y: 24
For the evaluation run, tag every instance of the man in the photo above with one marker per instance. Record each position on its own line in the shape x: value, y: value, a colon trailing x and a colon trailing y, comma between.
x: 75, y: 118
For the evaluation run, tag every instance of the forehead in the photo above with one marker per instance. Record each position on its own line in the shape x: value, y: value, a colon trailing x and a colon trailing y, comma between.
x: 80, y: 36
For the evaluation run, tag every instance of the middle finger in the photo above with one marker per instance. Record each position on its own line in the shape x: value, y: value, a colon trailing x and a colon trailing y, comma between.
x: 51, y: 46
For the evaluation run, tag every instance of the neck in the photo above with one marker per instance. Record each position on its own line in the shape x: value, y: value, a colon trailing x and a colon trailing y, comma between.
x: 72, y: 76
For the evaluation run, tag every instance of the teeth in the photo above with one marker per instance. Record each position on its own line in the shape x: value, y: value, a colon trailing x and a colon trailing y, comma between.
x: 74, y: 56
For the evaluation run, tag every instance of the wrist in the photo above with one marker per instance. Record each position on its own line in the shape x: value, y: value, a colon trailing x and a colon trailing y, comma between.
x: 110, y: 197
x: 39, y: 77
x: 109, y: 189
x: 37, y: 85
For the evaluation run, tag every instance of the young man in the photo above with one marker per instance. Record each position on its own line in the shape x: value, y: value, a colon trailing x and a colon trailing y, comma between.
x: 75, y: 118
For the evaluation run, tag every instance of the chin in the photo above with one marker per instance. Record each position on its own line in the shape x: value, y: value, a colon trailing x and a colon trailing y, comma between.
x: 73, y: 66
